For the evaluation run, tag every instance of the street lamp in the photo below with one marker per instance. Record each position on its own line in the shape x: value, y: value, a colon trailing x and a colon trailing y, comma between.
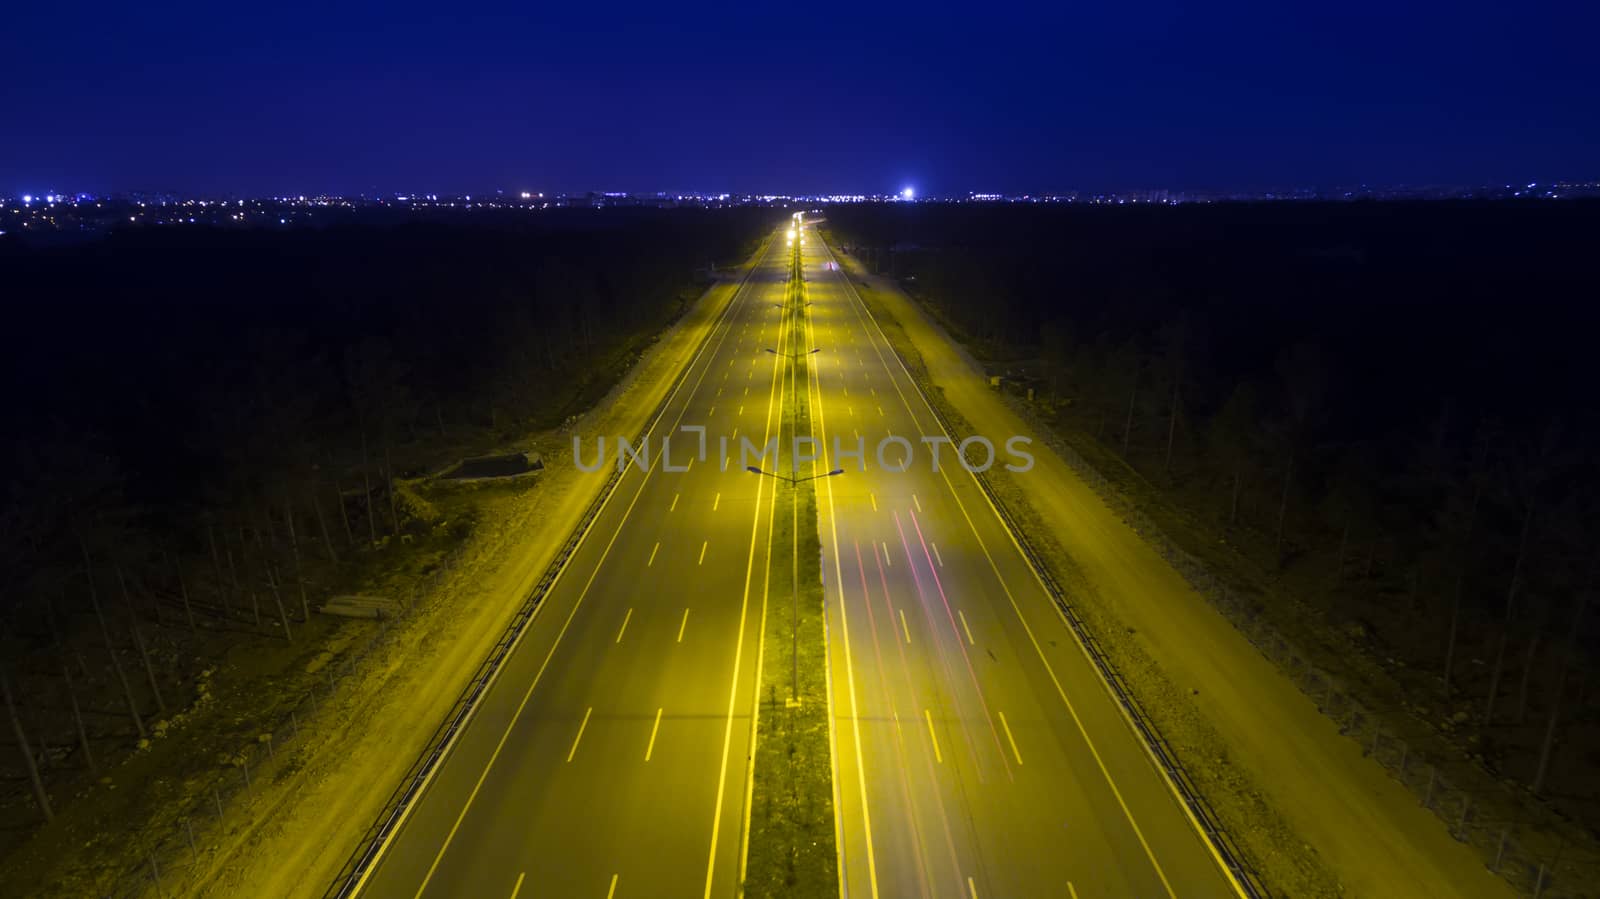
x: 794, y: 577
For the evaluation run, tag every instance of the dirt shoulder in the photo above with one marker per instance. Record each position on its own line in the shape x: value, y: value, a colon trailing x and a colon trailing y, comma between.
x: 1313, y: 813
x: 290, y: 836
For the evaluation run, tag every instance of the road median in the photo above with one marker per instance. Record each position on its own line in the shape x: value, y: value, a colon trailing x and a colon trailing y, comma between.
x: 792, y: 848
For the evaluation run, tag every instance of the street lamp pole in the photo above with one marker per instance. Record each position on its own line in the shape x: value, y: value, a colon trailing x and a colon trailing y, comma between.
x: 794, y: 579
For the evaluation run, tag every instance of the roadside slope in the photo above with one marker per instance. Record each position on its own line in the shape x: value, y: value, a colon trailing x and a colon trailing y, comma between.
x: 1364, y: 827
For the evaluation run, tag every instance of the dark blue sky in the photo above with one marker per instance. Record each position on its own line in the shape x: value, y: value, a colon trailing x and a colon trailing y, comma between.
x: 341, y: 97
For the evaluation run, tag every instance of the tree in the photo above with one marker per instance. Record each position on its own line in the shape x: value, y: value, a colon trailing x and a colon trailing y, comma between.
x: 1174, y: 337
x: 1056, y: 346
x: 1233, y: 441
x: 1526, y: 476
x: 1349, y: 500
x: 1304, y: 378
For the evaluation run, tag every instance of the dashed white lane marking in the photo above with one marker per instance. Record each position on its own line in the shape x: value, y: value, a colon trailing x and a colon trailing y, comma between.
x: 904, y: 628
x: 965, y: 628
x: 874, y: 498
x: 674, y: 506
x: 1010, y: 739
x: 653, y: 551
x: 574, y: 750
x: 518, y: 888
x: 683, y: 624
x: 624, y: 629
x: 972, y: 888
x: 936, y: 557
x: 886, y: 557
x: 937, y: 755
x: 613, y: 891
x: 715, y: 502
x: 703, y: 546
x: 652, y: 747
x: 917, y: 501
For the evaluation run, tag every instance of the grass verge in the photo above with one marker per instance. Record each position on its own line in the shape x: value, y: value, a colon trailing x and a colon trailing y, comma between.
x: 792, y: 848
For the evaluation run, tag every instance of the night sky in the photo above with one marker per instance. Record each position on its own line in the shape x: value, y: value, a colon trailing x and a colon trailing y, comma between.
x: 285, y: 97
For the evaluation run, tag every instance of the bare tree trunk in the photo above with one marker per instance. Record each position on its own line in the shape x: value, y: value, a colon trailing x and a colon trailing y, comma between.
x: 1127, y: 427
x: 138, y: 641
x: 1344, y: 541
x: 111, y: 649
x: 1238, y: 486
x: 1554, y: 718
x: 1283, y: 512
x: 388, y: 471
x: 77, y: 719
x: 294, y: 552
x: 216, y: 565
x: 344, y: 516
x: 255, y: 606
x: 1172, y: 428
x: 322, y: 526
x: 233, y: 574
x: 183, y: 592
x: 366, y: 481
x: 277, y: 597
x: 1461, y: 576
x: 1450, y: 641
x: 27, y: 752
x: 1527, y: 675
x: 1505, y: 630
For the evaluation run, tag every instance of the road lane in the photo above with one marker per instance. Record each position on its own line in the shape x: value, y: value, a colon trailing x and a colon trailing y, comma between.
x: 1061, y: 795
x: 506, y: 802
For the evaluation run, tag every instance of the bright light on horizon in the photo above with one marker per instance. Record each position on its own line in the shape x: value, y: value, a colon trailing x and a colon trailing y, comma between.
x: 908, y: 193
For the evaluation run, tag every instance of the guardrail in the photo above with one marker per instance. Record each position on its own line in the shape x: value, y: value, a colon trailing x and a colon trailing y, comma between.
x: 1226, y: 848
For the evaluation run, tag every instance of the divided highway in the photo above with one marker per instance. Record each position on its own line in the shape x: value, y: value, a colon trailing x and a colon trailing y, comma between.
x: 976, y: 751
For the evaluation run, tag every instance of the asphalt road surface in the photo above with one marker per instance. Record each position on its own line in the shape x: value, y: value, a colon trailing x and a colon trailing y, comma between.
x: 977, y: 753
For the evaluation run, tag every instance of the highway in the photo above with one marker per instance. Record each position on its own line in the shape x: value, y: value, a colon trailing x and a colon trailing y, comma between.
x: 976, y: 751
